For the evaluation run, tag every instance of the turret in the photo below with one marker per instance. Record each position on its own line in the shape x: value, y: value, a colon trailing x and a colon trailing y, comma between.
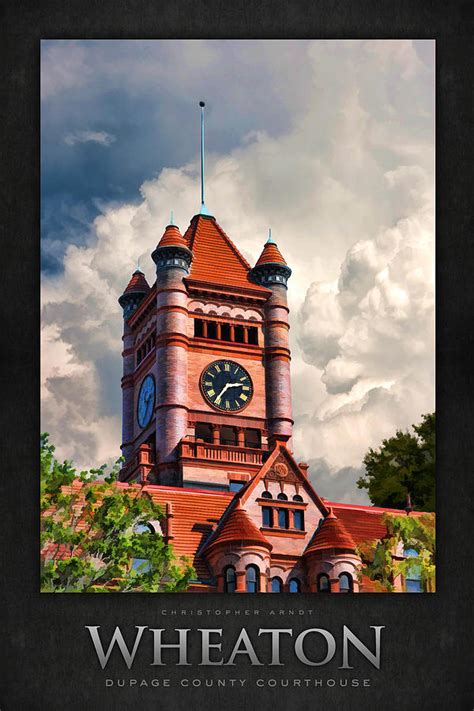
x: 173, y: 260
x: 272, y: 271
x: 131, y: 298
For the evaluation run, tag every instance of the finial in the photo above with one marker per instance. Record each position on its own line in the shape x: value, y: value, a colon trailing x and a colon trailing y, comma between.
x: 138, y: 264
x: 204, y: 210
x: 270, y: 239
x: 172, y: 218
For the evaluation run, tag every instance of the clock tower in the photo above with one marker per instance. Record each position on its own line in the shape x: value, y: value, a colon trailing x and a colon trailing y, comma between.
x: 206, y: 360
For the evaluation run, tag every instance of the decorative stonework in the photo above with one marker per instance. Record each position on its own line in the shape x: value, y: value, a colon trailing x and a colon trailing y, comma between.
x: 281, y: 472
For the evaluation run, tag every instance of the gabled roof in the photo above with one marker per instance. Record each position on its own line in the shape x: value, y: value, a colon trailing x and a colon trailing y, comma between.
x: 137, y: 283
x: 270, y: 255
x: 236, y: 527
x: 280, y: 450
x: 216, y: 260
x: 330, y: 534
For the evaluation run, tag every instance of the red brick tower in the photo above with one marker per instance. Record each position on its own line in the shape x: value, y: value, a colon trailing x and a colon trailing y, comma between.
x: 272, y: 271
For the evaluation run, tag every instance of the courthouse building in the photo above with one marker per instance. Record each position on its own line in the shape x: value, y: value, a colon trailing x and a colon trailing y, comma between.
x: 207, y: 423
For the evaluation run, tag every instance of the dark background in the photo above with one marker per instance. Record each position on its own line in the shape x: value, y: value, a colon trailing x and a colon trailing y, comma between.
x: 48, y: 660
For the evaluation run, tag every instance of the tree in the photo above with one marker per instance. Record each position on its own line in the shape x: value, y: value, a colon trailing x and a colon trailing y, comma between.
x: 404, y: 464
x: 95, y: 535
x: 414, y: 533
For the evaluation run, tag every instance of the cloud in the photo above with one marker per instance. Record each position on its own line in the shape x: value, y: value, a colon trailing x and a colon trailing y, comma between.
x: 101, y: 137
x: 347, y: 186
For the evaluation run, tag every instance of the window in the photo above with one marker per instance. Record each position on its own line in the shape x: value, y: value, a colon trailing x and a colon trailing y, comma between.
x: 141, y: 565
x: 294, y: 585
x: 229, y: 436
x: 229, y: 579
x: 203, y: 431
x: 413, y: 579
x: 298, y: 520
x: 252, y: 579
x: 346, y: 583
x: 266, y: 495
x: 198, y: 330
x: 236, y: 485
x: 276, y: 585
x: 267, y: 516
x: 225, y: 332
x: 283, y: 518
x: 282, y: 497
x: 297, y: 497
x: 324, y: 585
x: 211, y: 329
x: 253, y: 335
x: 253, y: 438
x: 239, y: 334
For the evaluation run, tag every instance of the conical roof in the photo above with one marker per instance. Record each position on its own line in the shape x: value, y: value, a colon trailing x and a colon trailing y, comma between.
x: 331, y: 534
x: 270, y: 255
x: 237, y: 527
x: 137, y: 284
x: 172, y: 237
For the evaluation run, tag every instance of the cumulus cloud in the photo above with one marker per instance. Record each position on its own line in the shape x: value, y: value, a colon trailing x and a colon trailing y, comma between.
x: 101, y: 137
x: 347, y: 187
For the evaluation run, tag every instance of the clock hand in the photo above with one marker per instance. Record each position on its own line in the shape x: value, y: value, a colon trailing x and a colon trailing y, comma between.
x: 222, y: 391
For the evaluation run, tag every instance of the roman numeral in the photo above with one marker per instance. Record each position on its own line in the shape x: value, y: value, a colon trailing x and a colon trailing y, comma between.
x: 211, y: 393
x: 243, y: 397
x: 208, y: 383
x: 227, y: 367
x: 243, y: 378
x: 218, y: 370
x: 245, y: 387
x: 227, y: 405
x: 218, y: 401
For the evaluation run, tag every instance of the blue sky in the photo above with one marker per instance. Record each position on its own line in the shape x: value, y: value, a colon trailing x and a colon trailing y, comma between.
x: 331, y: 143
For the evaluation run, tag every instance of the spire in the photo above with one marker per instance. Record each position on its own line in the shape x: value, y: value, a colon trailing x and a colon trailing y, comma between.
x: 172, y: 250
x: 171, y: 222
x: 331, y: 534
x: 203, y: 210
x: 135, y: 291
x: 271, y: 267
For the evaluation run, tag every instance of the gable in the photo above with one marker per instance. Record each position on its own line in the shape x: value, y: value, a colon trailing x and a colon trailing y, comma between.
x: 216, y: 260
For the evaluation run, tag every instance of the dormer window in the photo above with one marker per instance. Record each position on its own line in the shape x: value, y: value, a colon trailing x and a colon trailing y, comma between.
x: 267, y: 516
x: 266, y: 495
x: 298, y: 520
x: 282, y: 497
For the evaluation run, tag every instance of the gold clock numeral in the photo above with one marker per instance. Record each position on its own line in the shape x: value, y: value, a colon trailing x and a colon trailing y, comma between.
x: 243, y: 378
x: 218, y: 370
x: 218, y: 401
x: 243, y: 397
x: 208, y: 383
x: 211, y: 393
x: 227, y: 367
x: 227, y: 405
x: 245, y: 387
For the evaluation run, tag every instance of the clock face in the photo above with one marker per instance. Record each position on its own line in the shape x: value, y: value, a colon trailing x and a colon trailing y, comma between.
x: 146, y: 401
x: 226, y: 385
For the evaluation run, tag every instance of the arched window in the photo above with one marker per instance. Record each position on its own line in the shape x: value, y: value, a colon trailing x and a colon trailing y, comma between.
x: 229, y: 579
x: 252, y: 579
x: 276, y: 585
x: 324, y: 584
x: 413, y: 578
x: 267, y: 516
x: 297, y: 497
x: 141, y: 565
x: 266, y: 495
x: 282, y: 497
x: 283, y: 518
x: 346, y: 583
x: 294, y: 585
x: 298, y: 520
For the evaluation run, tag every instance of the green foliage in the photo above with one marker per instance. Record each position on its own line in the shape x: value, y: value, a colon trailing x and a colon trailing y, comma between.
x: 91, y: 534
x: 403, y: 532
x: 403, y: 464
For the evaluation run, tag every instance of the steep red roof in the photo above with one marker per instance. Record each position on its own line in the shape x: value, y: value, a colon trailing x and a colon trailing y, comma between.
x: 237, y: 526
x: 172, y: 237
x: 195, y: 514
x: 270, y: 255
x: 365, y: 523
x: 137, y: 283
x: 331, y: 534
x: 215, y: 258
